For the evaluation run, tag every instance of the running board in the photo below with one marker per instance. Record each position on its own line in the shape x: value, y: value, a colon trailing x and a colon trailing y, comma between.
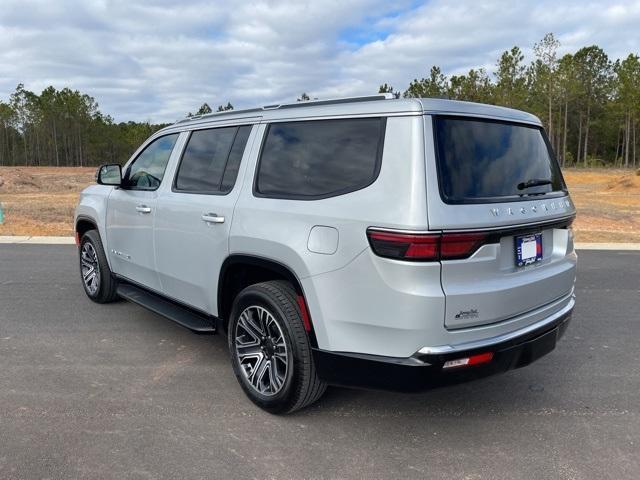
x: 185, y: 316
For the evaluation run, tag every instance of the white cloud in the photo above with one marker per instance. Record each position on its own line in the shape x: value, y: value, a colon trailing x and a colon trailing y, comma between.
x: 158, y: 60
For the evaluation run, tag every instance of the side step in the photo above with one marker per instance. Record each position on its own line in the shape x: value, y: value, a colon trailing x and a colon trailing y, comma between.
x: 185, y: 316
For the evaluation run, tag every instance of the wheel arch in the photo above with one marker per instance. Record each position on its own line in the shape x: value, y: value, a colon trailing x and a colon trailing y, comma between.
x: 239, y: 271
x: 84, y: 224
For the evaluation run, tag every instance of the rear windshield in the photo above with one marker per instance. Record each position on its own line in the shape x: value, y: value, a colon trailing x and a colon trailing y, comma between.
x: 493, y: 161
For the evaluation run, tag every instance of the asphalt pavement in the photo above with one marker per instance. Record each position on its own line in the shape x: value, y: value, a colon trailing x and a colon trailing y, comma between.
x: 114, y: 391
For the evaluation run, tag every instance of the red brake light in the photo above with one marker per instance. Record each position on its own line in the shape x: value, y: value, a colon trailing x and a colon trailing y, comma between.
x: 425, y: 247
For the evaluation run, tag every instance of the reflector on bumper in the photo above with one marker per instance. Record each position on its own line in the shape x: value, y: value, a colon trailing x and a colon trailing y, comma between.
x: 469, y: 361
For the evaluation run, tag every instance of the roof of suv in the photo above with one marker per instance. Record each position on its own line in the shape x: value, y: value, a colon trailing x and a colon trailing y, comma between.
x: 382, y: 104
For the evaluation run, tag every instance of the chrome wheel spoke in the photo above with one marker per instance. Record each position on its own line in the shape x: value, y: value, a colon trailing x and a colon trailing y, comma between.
x: 272, y: 329
x: 263, y: 318
x: 249, y: 326
x: 89, y: 273
x: 275, y: 380
x: 280, y: 351
x: 248, y: 351
x: 258, y: 374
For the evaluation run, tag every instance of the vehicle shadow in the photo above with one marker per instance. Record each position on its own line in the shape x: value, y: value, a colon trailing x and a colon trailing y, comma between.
x: 534, y: 388
x: 529, y: 389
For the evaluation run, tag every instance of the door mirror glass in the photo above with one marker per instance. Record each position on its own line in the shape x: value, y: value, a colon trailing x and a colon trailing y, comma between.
x: 109, y: 175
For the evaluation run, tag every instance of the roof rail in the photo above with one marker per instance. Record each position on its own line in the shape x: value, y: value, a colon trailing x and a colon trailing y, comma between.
x: 331, y: 101
x: 306, y: 103
x: 217, y: 114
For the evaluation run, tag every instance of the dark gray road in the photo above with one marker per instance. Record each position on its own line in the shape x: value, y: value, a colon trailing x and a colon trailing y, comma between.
x: 90, y: 391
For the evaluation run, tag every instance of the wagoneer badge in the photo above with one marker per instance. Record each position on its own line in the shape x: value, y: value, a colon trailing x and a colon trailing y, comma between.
x: 560, y: 205
x: 467, y: 314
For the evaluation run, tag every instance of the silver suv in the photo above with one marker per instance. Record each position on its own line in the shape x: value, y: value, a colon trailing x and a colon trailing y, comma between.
x: 384, y: 243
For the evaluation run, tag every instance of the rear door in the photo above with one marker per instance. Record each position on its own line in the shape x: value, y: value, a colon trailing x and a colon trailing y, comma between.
x: 193, y: 217
x: 497, y: 183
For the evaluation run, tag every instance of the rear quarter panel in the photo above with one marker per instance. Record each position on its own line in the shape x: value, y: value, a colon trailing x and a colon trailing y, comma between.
x: 279, y: 229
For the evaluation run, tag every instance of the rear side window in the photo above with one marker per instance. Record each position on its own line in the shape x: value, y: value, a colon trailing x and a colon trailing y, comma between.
x: 211, y: 160
x: 493, y: 161
x: 233, y: 163
x: 321, y: 158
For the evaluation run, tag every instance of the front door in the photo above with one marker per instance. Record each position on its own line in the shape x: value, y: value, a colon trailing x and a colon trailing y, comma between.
x: 131, y: 212
x: 193, y: 217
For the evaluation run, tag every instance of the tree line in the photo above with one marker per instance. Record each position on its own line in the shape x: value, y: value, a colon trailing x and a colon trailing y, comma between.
x: 589, y: 104
x: 66, y: 128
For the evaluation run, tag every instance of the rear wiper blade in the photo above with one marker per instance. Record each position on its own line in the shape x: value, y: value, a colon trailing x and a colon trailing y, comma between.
x: 534, y: 182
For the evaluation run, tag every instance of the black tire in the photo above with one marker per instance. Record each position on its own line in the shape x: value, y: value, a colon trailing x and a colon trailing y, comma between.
x: 105, y: 290
x: 301, y: 385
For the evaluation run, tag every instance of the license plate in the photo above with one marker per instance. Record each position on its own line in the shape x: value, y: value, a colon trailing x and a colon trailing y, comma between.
x: 528, y: 249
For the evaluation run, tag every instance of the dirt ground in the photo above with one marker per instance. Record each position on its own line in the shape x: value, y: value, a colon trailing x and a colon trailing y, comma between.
x: 41, y: 201
x: 608, y: 203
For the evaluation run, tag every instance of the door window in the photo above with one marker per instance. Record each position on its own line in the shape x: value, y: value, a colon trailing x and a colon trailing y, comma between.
x: 211, y: 160
x: 147, y: 170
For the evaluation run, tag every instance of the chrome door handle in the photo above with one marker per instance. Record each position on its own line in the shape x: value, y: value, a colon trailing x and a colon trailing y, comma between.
x: 143, y: 209
x: 212, y: 218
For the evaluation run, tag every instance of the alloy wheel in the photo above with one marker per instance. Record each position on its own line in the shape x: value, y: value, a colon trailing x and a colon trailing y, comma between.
x: 90, y: 268
x: 261, y: 350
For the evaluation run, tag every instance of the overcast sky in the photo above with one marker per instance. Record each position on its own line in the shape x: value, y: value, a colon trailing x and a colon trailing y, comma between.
x: 157, y: 60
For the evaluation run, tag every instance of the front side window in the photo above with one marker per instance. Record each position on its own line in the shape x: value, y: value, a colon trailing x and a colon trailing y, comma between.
x: 490, y: 161
x: 147, y: 170
x: 211, y: 160
x: 320, y: 158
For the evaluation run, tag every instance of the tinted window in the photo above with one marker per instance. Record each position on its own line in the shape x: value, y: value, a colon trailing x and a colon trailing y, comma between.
x: 148, y: 168
x: 480, y: 160
x: 320, y: 158
x: 233, y: 163
x: 204, y: 159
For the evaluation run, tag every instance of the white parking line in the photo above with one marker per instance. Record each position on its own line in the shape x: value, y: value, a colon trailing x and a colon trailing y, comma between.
x: 607, y: 246
x: 38, y: 240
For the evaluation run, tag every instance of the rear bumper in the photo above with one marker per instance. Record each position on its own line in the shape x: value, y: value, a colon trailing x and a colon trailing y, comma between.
x: 424, y: 371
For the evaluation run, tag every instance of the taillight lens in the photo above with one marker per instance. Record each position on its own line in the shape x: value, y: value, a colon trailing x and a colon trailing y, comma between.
x: 425, y: 247
x: 460, y: 245
x: 405, y: 246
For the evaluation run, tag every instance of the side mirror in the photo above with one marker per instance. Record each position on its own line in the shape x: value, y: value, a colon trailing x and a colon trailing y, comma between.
x: 110, y: 174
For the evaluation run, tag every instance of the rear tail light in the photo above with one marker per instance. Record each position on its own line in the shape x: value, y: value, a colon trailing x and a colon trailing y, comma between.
x: 425, y: 247
x: 404, y: 246
x: 469, y: 361
x: 460, y: 245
